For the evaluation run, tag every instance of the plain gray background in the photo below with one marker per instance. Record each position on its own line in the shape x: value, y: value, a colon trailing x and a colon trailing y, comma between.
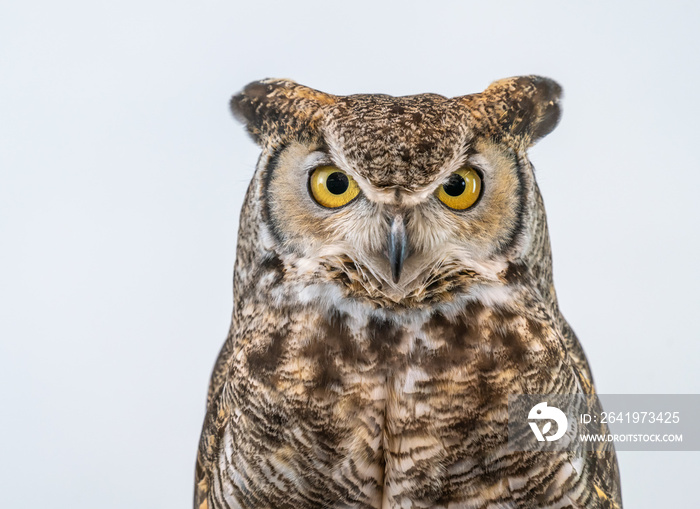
x: 123, y: 175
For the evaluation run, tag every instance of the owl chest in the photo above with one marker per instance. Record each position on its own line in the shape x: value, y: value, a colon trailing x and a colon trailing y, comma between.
x: 382, y: 418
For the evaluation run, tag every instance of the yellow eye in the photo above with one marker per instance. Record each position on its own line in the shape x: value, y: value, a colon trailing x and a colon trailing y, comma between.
x: 461, y: 190
x: 332, y: 187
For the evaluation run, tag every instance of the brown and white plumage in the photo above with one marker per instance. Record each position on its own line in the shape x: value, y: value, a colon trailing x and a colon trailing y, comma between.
x: 345, y: 384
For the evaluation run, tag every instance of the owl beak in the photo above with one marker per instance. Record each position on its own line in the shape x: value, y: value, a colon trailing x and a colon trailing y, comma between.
x: 397, y: 246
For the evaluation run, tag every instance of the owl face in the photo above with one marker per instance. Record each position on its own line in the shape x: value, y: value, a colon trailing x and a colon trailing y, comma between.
x: 401, y: 200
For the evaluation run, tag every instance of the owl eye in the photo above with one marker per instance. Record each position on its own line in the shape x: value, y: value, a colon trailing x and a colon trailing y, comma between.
x: 461, y: 190
x: 332, y: 187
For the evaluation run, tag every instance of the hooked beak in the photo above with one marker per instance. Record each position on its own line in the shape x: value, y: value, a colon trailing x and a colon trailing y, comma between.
x: 397, y: 247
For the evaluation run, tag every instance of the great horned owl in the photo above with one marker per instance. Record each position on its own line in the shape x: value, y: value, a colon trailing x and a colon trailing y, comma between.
x: 393, y: 284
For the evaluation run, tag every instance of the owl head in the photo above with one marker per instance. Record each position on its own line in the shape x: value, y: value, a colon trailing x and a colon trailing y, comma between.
x: 399, y: 201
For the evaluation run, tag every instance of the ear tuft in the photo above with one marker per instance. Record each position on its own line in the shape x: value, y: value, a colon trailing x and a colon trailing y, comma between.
x: 522, y: 109
x: 255, y: 106
x: 272, y: 109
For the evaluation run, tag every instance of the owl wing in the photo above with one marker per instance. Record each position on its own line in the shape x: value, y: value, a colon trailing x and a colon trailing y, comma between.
x: 214, y: 421
x: 577, y: 356
x: 605, y: 476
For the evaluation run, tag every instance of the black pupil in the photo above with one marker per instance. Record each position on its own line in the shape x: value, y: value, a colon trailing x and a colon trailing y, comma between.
x: 455, y: 185
x: 337, y: 183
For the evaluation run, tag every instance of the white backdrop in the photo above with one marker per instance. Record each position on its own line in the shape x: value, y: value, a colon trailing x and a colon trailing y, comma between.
x: 123, y: 173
